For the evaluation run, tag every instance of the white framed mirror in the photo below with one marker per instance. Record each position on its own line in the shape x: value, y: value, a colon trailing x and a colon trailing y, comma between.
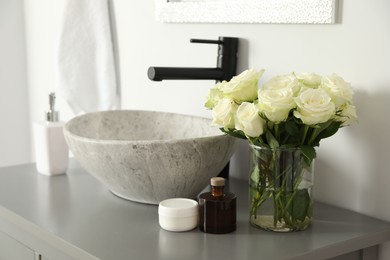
x: 247, y: 11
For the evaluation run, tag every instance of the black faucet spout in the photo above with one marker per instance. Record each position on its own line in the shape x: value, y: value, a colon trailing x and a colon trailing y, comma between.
x: 164, y: 73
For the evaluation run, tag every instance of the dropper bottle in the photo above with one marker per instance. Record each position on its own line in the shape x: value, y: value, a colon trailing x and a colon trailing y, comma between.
x: 51, y: 150
x: 217, y: 209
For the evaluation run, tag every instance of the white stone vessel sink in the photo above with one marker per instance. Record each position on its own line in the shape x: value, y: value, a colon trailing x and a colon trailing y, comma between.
x: 149, y: 156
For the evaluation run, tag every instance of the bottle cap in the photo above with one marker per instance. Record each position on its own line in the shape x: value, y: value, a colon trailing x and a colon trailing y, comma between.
x: 217, y: 181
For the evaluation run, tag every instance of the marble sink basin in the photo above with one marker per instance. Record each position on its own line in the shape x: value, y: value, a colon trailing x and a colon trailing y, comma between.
x: 149, y: 156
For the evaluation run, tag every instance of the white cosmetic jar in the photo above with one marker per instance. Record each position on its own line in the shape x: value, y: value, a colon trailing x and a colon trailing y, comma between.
x: 178, y: 214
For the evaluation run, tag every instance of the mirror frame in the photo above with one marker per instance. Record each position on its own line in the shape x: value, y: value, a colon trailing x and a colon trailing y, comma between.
x: 247, y: 11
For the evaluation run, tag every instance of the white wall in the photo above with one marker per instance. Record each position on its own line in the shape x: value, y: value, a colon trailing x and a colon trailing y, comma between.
x: 14, y: 120
x: 352, y: 169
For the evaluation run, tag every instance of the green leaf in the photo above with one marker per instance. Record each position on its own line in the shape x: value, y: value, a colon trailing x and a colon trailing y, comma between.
x: 292, y: 128
x: 291, y: 134
x: 255, y: 175
x: 301, y: 204
x: 234, y: 133
x: 272, y: 142
x: 329, y: 131
x: 309, y: 153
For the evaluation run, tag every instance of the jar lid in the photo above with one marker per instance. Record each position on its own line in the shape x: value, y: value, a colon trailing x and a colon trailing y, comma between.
x: 178, y: 207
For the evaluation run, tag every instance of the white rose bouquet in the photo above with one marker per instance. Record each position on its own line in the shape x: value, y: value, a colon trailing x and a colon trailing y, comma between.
x: 288, y: 114
x: 294, y: 110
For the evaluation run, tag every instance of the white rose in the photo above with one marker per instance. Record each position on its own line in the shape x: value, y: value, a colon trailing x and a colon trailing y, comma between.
x: 224, y: 112
x: 348, y: 115
x: 248, y: 120
x: 243, y: 87
x: 276, y: 104
x: 310, y: 80
x: 289, y: 81
x: 314, y: 106
x: 214, y: 95
x: 338, y: 89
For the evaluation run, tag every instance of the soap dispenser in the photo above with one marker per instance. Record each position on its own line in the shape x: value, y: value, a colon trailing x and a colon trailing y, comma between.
x: 217, y: 209
x: 51, y: 150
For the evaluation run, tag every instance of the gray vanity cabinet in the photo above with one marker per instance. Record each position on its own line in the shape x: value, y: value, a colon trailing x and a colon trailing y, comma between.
x: 73, y: 216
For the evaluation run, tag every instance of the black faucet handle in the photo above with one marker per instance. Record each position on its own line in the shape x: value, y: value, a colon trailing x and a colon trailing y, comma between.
x: 206, y: 41
x: 227, y: 54
x: 220, y: 41
x: 226, y: 45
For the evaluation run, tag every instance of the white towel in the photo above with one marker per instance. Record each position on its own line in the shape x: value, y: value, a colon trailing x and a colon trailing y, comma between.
x: 86, y: 74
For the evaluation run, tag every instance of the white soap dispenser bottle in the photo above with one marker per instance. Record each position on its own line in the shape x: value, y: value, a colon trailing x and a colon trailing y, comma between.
x: 51, y: 150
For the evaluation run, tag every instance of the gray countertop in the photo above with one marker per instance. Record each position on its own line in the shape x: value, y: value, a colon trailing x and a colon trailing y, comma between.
x: 76, y: 214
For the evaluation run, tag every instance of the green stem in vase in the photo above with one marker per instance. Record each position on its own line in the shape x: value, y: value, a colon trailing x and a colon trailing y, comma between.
x: 278, y: 176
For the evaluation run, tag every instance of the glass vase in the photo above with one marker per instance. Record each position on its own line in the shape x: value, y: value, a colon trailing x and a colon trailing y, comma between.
x: 280, y: 192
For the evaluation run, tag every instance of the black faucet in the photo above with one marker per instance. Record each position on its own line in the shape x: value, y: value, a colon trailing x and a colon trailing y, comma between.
x: 225, y: 70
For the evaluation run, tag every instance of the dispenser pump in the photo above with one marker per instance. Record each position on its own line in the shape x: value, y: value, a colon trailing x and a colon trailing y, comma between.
x: 52, y: 114
x: 51, y: 150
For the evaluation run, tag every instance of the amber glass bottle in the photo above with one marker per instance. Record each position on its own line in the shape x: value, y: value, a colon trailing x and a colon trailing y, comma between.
x: 217, y: 209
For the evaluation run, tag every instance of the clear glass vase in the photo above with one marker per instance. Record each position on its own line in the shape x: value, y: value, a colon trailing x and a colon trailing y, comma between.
x: 280, y: 189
